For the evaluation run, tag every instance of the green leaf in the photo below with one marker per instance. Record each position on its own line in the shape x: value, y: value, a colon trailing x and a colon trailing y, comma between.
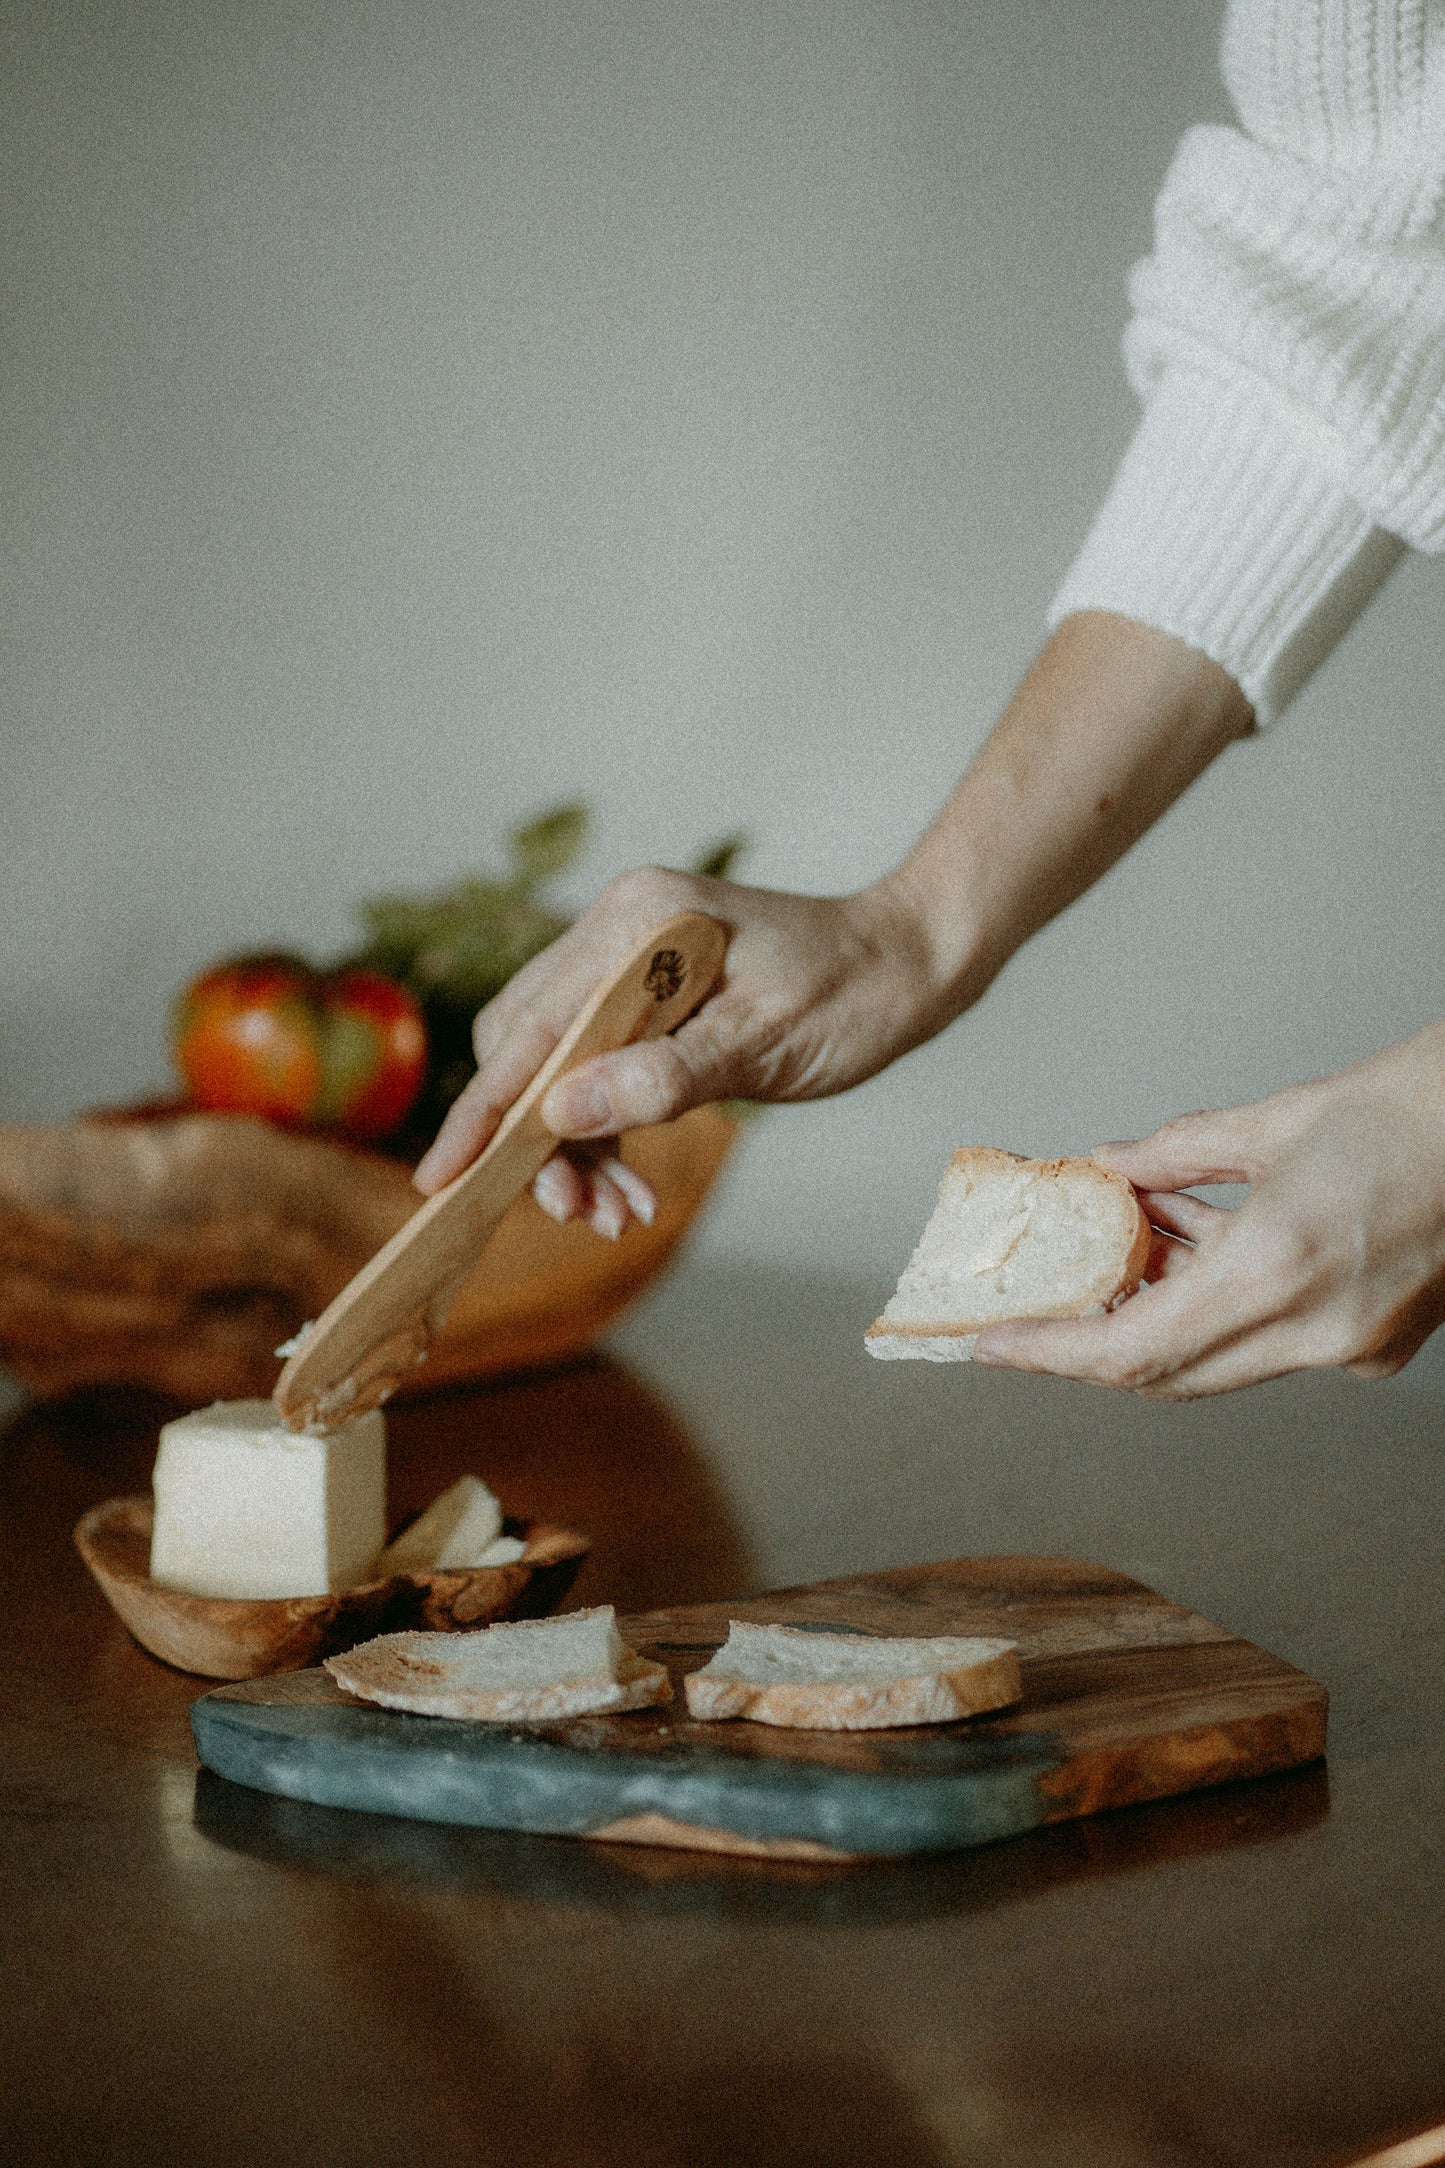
x: 396, y: 927
x: 479, y: 941
x: 458, y: 946
x: 716, y: 864
x: 549, y: 844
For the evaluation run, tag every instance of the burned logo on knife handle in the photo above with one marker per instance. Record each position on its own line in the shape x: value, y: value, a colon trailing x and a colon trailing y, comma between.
x: 665, y: 974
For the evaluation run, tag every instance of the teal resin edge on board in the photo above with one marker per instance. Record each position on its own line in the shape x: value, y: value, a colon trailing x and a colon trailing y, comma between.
x: 947, y: 1793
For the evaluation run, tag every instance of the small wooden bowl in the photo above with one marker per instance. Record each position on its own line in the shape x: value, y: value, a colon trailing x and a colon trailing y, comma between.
x: 226, y: 1638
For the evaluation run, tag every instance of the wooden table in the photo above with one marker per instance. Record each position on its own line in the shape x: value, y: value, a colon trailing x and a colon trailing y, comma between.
x: 195, y: 1973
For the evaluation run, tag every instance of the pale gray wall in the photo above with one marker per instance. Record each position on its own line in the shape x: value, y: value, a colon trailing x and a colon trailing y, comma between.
x: 416, y: 413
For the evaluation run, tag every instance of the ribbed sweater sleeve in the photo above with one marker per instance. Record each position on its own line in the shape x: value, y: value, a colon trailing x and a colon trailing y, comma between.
x: 1287, y: 342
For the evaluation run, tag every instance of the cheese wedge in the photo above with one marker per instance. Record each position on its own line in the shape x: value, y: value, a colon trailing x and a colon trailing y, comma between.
x: 503, y: 1551
x: 456, y: 1529
x: 246, y: 1508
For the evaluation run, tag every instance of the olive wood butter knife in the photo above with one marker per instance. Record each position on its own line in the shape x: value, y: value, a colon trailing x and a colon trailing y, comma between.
x: 383, y: 1321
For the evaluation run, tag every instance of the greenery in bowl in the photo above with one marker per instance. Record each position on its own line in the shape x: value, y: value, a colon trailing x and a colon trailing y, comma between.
x: 457, y: 947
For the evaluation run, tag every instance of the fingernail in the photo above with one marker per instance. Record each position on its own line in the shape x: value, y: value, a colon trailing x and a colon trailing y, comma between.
x: 633, y: 1188
x: 425, y: 1170
x: 549, y: 1191
x: 607, y: 1218
x: 580, y: 1107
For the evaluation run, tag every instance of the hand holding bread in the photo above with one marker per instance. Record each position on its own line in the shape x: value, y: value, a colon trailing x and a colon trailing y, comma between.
x: 1335, y: 1258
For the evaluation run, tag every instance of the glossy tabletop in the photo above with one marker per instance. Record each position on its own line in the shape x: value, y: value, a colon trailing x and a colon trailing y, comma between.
x: 193, y: 1972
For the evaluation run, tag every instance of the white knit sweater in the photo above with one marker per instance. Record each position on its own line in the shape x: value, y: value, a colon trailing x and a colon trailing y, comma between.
x: 1288, y: 345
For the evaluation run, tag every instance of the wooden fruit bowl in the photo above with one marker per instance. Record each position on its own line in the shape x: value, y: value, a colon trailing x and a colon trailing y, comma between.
x: 177, y: 1250
x: 223, y: 1638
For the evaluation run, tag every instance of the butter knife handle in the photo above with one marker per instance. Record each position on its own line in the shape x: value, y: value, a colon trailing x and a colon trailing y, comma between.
x: 383, y: 1320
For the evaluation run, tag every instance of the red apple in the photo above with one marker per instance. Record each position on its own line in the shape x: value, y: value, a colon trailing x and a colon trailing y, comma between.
x: 270, y: 1035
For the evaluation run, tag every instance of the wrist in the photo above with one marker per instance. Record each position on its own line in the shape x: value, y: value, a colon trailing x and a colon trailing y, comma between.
x: 930, y: 906
x: 1409, y: 1077
x: 1112, y: 722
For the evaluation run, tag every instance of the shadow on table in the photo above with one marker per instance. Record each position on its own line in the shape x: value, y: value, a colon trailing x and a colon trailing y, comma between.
x: 566, y: 1871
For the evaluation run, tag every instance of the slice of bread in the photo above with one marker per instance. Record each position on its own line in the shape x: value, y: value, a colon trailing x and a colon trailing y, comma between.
x: 851, y: 1682
x: 1013, y: 1237
x: 530, y: 1672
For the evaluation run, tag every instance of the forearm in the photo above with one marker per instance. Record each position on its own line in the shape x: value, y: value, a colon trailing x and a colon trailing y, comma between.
x: 1109, y: 726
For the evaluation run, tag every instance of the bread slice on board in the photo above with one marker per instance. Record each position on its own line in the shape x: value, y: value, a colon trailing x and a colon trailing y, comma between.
x: 851, y: 1682
x: 532, y: 1672
x: 1013, y: 1237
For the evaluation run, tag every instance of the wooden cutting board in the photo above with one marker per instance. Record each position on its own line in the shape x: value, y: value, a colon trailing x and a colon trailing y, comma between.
x: 1127, y: 1696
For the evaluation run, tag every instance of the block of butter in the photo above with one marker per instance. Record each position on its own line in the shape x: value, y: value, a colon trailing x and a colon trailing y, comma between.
x: 246, y: 1508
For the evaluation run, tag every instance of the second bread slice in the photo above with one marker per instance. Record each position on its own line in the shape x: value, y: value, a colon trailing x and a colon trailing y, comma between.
x: 851, y: 1682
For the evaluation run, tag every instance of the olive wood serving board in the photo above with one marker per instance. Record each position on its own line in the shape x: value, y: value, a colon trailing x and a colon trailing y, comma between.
x: 1127, y: 1696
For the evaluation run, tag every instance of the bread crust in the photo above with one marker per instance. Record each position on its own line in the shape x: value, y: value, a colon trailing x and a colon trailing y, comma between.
x: 954, y: 1339
x: 938, y: 1697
